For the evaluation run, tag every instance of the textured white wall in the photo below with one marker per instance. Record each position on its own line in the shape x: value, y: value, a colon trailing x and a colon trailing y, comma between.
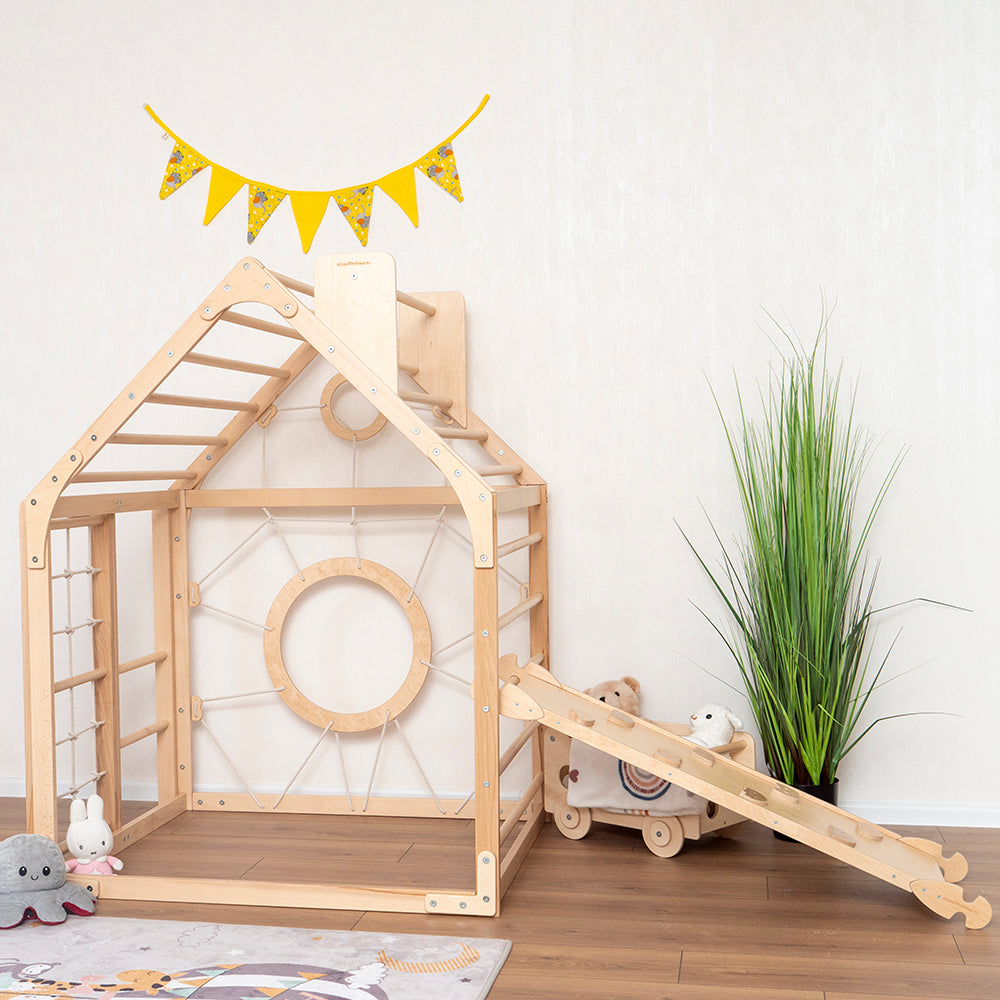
x: 646, y: 180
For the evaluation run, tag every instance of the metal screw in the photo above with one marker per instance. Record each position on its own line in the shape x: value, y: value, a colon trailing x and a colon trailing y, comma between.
x: 482, y: 496
x: 170, y: 354
x: 330, y: 349
x: 177, y: 538
x: 131, y: 395
x: 288, y: 307
x: 437, y: 451
x: 486, y: 708
x: 267, y: 286
x: 208, y: 309
x: 486, y: 634
x: 246, y: 267
x: 178, y: 596
x: 227, y: 288
x: 484, y: 558
x: 501, y: 451
x: 486, y: 784
x: 182, y: 767
x: 486, y: 861
x: 434, y: 902
x: 93, y: 437
x: 222, y: 802
x: 461, y: 906
x: 374, y: 388
x: 458, y: 472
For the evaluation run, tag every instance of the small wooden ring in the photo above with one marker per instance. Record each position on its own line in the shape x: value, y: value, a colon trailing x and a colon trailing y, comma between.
x: 333, y: 424
x: 347, y: 722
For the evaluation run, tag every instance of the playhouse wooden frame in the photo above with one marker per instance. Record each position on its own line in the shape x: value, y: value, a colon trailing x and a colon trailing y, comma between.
x: 369, y: 332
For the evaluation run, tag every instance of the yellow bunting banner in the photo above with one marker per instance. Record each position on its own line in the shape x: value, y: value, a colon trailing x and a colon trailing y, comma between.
x: 309, y: 207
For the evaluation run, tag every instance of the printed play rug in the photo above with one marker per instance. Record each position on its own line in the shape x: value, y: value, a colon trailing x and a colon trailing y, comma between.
x: 124, y: 959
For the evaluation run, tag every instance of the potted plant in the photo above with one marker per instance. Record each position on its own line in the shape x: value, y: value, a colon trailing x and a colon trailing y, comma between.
x: 799, y: 589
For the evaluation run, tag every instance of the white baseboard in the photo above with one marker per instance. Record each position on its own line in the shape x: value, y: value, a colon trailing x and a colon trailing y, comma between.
x: 884, y: 813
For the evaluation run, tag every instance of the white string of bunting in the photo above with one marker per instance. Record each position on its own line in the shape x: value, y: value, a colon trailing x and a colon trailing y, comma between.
x: 309, y: 207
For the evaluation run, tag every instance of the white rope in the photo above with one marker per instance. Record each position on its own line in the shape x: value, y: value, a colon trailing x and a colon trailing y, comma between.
x: 406, y: 743
x: 291, y: 555
x: 343, y: 767
x: 74, y: 791
x: 70, y: 629
x: 291, y: 780
x: 74, y: 734
x: 219, y: 565
x: 430, y: 545
x: 236, y: 697
x: 468, y: 799
x: 441, y: 670
x: 89, y: 570
x: 378, y: 753
x: 450, y: 645
x: 246, y: 621
x: 229, y: 761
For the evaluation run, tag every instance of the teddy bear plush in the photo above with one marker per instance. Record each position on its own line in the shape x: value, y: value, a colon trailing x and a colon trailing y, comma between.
x: 622, y: 694
x: 89, y: 839
x: 713, y: 725
x: 33, y: 883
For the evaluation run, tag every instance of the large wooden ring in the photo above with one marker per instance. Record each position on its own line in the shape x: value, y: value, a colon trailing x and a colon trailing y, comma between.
x: 333, y: 424
x: 347, y: 566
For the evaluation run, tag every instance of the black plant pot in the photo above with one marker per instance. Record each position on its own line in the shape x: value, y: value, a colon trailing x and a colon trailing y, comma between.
x: 828, y: 793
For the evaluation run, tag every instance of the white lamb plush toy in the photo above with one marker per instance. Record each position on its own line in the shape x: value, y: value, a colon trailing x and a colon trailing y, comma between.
x: 713, y: 726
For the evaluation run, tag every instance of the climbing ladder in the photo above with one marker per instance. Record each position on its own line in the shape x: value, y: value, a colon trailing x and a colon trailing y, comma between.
x: 918, y: 866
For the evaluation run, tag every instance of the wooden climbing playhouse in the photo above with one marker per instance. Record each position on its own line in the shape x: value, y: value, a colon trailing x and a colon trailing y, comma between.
x: 406, y: 355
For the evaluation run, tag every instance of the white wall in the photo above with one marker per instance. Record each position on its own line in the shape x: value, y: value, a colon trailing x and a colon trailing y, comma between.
x: 647, y: 178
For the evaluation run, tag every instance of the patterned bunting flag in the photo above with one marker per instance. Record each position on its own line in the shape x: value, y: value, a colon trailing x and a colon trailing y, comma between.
x: 263, y: 200
x: 183, y: 164
x: 309, y: 207
x: 440, y: 166
x: 356, y: 206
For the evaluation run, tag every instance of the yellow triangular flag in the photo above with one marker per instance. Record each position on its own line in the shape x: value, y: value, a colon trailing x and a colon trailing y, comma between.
x: 183, y: 164
x: 401, y: 187
x: 440, y: 166
x: 223, y: 186
x: 263, y: 200
x: 309, y: 208
x: 356, y: 206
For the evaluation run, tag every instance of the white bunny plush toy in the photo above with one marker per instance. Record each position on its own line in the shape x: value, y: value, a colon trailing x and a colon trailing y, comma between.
x: 713, y: 726
x: 89, y: 839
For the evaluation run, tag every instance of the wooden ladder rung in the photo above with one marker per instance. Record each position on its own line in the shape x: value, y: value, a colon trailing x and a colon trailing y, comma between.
x: 141, y: 661
x: 77, y: 679
x: 414, y: 303
x: 199, y: 439
x: 426, y: 399
x: 295, y: 284
x: 165, y: 399
x: 461, y: 434
x: 141, y: 734
x: 499, y: 470
x: 410, y: 370
x: 134, y: 476
x: 234, y: 365
x: 519, y: 543
x: 526, y: 605
x: 241, y: 319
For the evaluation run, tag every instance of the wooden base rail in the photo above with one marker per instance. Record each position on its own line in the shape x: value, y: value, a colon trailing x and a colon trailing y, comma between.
x: 461, y: 434
x: 509, y: 825
x: 498, y: 470
x: 515, y: 747
x: 426, y: 399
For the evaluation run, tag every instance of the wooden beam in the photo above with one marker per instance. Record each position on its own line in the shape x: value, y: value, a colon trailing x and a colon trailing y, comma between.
x: 345, y: 497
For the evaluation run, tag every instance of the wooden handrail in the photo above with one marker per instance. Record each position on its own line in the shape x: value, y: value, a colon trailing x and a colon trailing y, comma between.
x: 141, y: 661
x: 526, y: 605
x: 78, y: 679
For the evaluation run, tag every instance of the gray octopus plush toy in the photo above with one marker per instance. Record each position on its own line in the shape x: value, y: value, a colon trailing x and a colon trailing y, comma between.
x: 33, y: 883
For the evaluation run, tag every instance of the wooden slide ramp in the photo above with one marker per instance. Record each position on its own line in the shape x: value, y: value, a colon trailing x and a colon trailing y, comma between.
x: 918, y: 866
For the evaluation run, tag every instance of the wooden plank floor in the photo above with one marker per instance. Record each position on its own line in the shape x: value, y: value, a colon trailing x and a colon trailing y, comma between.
x: 602, y: 918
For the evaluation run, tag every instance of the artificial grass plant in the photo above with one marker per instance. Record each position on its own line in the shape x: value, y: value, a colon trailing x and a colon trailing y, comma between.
x: 799, y: 590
